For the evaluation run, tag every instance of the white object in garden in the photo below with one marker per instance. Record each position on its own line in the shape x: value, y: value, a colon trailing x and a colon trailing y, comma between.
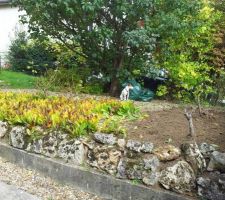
x: 125, y: 92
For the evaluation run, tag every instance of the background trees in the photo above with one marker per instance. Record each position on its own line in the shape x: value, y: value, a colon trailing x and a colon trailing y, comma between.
x: 122, y: 39
x: 30, y: 56
x: 106, y: 31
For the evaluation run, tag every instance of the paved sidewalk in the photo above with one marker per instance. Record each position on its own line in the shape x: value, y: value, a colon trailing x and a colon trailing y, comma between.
x: 9, y: 192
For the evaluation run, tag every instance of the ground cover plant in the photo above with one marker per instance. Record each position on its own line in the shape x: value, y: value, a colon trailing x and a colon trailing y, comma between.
x: 77, y: 117
x: 16, y: 80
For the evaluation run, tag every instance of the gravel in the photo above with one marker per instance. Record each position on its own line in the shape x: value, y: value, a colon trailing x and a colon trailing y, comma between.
x: 39, y: 185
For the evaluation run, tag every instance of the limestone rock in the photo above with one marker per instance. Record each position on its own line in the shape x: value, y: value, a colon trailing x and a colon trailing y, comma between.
x: 134, y: 169
x: 194, y: 157
x: 35, y: 146
x: 207, y: 149
x: 151, y: 163
x: 179, y: 178
x: 105, y: 158
x: 102, y: 138
x: 50, y: 145
x: 167, y: 153
x: 134, y: 145
x: 80, y: 153
x: 3, y: 128
x: 212, y: 187
x: 217, y: 162
x: 121, y: 169
x: 121, y: 143
x: 72, y: 151
x: 151, y: 179
x: 147, y: 147
x: 17, y: 137
x: 91, y: 159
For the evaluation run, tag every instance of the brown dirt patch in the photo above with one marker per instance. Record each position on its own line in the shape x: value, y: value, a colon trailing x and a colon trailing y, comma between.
x: 171, y: 126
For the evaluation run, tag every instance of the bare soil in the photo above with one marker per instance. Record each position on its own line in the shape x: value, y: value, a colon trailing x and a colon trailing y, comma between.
x: 170, y: 126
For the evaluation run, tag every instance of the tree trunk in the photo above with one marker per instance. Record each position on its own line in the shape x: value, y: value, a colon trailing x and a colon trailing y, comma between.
x: 114, y: 86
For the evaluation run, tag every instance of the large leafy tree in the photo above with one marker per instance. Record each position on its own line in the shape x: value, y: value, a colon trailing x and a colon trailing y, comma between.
x: 119, y: 37
x: 111, y: 34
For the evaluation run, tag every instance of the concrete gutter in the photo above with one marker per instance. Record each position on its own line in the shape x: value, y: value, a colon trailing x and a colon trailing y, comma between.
x: 87, y: 180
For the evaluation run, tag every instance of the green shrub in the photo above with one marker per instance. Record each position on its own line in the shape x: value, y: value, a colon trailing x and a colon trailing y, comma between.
x: 30, y: 56
x: 93, y: 88
x: 61, y: 79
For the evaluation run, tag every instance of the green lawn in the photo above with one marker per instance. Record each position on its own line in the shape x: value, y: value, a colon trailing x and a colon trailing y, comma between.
x: 16, y: 80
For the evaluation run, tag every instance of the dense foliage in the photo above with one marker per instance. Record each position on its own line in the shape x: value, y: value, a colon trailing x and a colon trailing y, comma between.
x: 75, y: 80
x: 125, y: 39
x: 30, y: 56
x: 186, y: 29
x: 77, y: 117
x: 109, y: 33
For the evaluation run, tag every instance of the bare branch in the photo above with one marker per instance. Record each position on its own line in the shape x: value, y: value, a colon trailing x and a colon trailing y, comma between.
x: 188, y: 116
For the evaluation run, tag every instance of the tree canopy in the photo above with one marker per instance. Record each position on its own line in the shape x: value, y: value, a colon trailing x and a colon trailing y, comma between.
x: 126, y: 37
x: 107, y: 31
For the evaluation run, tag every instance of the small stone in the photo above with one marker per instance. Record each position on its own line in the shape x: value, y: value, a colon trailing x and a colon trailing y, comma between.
x: 147, y: 147
x: 121, y: 143
x: 207, y: 149
x: 35, y: 146
x: 151, y: 163
x: 3, y: 128
x: 50, y: 145
x: 134, y: 145
x: 167, y: 153
x: 194, y: 157
x: 72, y: 151
x: 121, y: 169
x: 217, y: 162
x: 104, y: 158
x: 17, y: 137
x: 134, y: 169
x: 79, y: 154
x: 152, y: 179
x: 91, y: 159
x: 103, y: 138
x: 179, y: 178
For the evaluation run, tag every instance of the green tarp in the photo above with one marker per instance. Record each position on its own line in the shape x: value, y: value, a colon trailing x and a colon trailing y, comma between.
x: 138, y: 93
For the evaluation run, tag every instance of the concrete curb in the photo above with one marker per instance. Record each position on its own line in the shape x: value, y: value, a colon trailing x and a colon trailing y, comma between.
x: 102, y: 185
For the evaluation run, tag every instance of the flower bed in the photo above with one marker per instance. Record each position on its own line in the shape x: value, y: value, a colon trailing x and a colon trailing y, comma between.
x: 76, y: 117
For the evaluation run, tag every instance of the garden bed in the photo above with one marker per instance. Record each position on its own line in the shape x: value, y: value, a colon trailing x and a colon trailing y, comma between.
x: 113, y: 138
x: 171, y: 126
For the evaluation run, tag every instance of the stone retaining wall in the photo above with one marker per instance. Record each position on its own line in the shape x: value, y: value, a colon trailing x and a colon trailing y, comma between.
x: 178, y: 169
